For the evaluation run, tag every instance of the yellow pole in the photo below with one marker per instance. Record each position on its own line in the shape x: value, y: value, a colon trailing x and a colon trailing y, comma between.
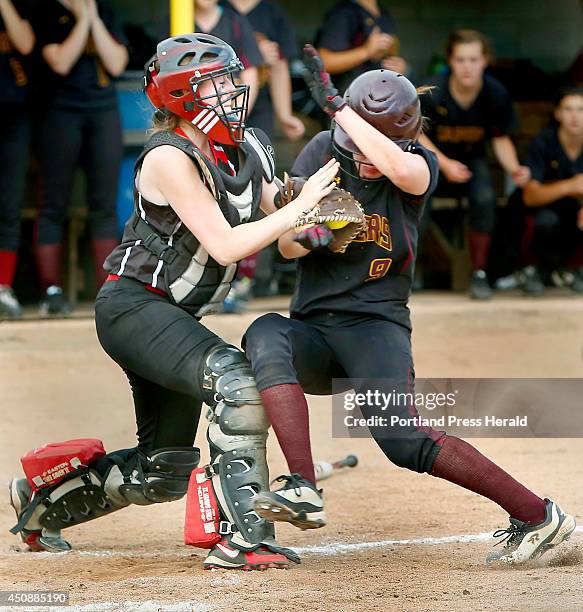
x: 181, y: 17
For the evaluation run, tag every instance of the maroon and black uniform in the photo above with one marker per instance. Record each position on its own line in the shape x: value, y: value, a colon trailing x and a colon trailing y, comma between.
x: 349, y: 315
x: 14, y: 87
x: 556, y: 236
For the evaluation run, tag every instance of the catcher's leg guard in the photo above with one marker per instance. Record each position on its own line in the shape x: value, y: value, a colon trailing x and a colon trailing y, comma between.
x: 237, y: 435
x: 139, y: 479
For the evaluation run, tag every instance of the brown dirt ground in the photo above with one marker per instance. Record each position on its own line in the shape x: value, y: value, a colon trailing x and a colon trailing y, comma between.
x: 56, y: 383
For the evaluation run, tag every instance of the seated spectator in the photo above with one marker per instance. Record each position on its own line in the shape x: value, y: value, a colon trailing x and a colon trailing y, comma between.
x: 224, y: 22
x: 466, y: 110
x: 357, y: 36
x: 16, y: 40
x: 84, y: 48
x: 554, y: 195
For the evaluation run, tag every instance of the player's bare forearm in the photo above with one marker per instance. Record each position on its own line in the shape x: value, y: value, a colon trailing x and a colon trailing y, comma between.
x: 62, y: 57
x: 341, y: 61
x: 505, y: 153
x: 429, y: 144
x: 112, y: 53
x: 409, y: 172
x: 19, y: 30
x: 289, y: 248
x: 541, y: 194
x: 280, y: 88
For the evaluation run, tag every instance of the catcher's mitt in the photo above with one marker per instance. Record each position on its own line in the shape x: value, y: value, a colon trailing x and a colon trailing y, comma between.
x: 339, y: 210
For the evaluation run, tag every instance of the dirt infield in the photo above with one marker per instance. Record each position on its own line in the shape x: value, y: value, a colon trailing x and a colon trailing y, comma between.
x: 394, y: 540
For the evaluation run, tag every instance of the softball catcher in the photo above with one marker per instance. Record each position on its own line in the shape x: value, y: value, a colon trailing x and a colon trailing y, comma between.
x: 199, y: 185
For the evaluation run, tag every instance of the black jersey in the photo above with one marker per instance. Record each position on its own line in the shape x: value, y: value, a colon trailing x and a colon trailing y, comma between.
x: 272, y: 21
x: 461, y: 133
x: 14, y: 77
x: 548, y: 161
x: 269, y: 20
x: 346, y: 26
x: 88, y: 85
x: 190, y: 276
x: 236, y: 31
x: 374, y: 276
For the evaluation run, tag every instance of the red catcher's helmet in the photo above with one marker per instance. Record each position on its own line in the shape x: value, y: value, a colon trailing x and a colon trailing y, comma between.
x: 389, y: 102
x: 173, y: 76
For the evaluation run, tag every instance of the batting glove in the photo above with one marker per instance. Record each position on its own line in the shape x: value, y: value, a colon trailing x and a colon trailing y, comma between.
x: 320, y: 84
x: 315, y: 237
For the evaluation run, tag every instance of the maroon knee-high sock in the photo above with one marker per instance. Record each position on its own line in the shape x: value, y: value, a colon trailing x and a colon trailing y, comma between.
x: 48, y: 259
x: 479, y: 243
x: 287, y: 410
x: 462, y: 464
x: 8, y: 261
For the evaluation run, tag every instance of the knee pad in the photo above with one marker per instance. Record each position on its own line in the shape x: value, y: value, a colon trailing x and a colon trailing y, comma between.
x: 158, y: 477
x: 227, y: 374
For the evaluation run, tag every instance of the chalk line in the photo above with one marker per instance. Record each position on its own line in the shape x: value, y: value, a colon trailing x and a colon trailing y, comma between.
x: 329, y: 549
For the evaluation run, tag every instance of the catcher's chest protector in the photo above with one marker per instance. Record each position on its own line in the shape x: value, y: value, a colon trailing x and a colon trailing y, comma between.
x: 159, y: 250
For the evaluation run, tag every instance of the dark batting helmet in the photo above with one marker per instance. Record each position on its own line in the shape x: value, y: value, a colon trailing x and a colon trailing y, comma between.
x: 389, y: 102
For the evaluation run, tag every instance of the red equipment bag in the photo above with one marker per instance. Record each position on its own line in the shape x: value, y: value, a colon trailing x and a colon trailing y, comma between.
x: 202, y: 520
x: 49, y: 464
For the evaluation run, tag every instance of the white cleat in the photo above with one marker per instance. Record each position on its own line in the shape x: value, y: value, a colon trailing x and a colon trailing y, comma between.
x: 525, y: 542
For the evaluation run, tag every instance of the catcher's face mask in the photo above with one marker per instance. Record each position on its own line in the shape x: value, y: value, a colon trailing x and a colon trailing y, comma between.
x: 194, y: 76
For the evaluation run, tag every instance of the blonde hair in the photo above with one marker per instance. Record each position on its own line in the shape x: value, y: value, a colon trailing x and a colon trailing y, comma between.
x: 421, y: 91
x: 164, y: 121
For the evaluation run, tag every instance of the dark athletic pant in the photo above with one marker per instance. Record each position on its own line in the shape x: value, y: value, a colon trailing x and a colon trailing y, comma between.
x: 161, y: 348
x: 556, y: 236
x: 92, y: 138
x: 480, y: 193
x: 13, y: 166
x: 313, y: 351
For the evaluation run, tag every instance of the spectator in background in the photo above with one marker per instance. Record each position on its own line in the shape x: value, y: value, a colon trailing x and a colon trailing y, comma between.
x: 554, y: 196
x: 277, y: 44
x: 83, y: 45
x: 357, y: 36
x: 224, y: 22
x: 16, y: 40
x: 466, y: 110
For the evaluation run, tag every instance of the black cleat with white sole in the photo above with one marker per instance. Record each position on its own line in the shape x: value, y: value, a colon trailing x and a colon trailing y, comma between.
x: 298, y: 502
